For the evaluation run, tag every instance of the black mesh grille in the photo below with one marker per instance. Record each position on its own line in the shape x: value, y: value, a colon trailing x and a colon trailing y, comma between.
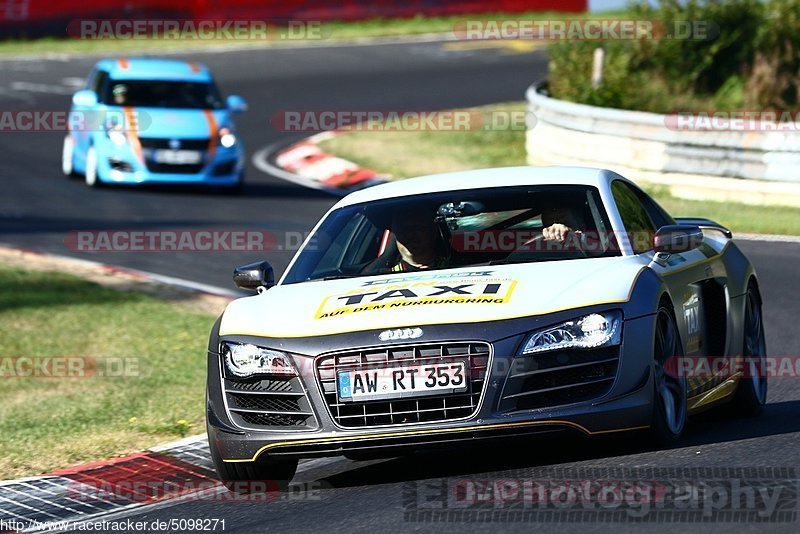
x: 168, y: 168
x: 560, y: 377
x: 185, y: 144
x: 273, y: 420
x: 268, y: 403
x: 436, y: 407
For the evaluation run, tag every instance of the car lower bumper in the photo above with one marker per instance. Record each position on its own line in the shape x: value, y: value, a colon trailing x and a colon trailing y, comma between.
x: 625, y: 405
x: 121, y: 165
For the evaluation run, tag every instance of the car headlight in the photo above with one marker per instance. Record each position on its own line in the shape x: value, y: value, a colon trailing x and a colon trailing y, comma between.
x: 116, y: 133
x: 226, y: 137
x: 244, y: 360
x: 587, y: 332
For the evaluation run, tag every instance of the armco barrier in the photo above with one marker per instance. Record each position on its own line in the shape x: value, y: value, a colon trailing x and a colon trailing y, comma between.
x: 20, y: 18
x: 758, y: 167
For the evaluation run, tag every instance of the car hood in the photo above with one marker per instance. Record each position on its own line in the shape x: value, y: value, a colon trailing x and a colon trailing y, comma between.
x: 455, y: 296
x: 180, y: 123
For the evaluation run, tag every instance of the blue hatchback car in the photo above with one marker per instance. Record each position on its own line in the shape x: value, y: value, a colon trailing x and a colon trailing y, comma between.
x: 148, y: 121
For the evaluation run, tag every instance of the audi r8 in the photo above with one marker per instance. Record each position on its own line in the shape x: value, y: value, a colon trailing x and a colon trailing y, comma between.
x: 551, y: 299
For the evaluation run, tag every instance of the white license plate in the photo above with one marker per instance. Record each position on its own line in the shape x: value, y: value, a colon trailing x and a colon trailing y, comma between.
x: 177, y: 157
x: 402, y: 381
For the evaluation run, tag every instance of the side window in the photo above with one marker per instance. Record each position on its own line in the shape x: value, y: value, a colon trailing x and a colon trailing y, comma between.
x: 637, y: 222
x: 99, y: 84
x: 657, y: 214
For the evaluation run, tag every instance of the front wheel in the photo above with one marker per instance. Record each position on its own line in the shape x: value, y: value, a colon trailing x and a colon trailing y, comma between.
x: 264, y: 475
x: 90, y: 176
x: 669, y: 395
x: 751, y: 393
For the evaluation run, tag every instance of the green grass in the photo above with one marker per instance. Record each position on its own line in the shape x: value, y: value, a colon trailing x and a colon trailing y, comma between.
x: 328, y: 31
x: 413, y: 153
x: 51, y: 423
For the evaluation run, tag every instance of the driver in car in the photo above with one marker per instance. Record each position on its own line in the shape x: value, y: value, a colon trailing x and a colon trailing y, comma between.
x: 418, y: 244
x: 417, y: 241
x: 558, y: 222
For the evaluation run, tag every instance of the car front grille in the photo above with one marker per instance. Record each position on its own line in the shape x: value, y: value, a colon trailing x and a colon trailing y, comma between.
x: 168, y: 168
x: 558, y: 378
x: 150, y: 144
x: 185, y: 144
x: 263, y: 404
x: 422, y: 409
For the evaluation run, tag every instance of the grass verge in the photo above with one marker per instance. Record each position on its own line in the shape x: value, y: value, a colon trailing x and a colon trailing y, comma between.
x: 326, y: 32
x: 158, y: 348
x: 403, y: 154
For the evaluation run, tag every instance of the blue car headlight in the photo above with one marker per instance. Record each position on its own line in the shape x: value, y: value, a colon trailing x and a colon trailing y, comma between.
x: 227, y: 137
x: 243, y: 360
x: 116, y: 132
x: 588, y: 332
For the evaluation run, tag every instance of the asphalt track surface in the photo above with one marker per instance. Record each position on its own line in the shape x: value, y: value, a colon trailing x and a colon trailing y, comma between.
x: 38, y: 207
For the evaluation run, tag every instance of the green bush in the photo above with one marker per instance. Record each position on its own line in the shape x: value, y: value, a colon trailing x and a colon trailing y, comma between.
x: 749, y: 56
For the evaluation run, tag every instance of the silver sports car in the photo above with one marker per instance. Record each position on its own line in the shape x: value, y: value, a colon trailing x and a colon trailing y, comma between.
x: 484, y: 304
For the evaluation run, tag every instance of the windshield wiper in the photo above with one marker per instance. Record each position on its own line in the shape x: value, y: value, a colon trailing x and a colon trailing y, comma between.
x: 335, y: 277
x: 510, y: 262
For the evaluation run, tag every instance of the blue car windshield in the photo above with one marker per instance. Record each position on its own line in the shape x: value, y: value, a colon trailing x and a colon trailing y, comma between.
x: 163, y: 94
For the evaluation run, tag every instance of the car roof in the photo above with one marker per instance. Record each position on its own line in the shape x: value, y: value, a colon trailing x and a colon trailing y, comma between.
x: 145, y: 68
x: 483, y: 178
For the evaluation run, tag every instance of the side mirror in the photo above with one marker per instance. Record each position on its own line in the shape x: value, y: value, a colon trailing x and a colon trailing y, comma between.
x: 85, y: 98
x: 254, y: 275
x: 675, y: 238
x: 236, y: 104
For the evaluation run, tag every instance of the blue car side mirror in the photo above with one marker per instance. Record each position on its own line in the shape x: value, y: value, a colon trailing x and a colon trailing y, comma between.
x: 85, y: 98
x: 236, y: 104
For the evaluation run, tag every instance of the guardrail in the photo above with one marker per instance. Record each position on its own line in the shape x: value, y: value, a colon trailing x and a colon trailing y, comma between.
x: 761, y: 167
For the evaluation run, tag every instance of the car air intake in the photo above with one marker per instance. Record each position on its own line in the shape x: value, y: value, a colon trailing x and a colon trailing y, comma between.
x: 559, y: 377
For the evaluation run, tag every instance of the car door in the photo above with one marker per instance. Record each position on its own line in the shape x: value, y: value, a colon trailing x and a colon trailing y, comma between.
x: 91, y: 116
x: 695, y: 279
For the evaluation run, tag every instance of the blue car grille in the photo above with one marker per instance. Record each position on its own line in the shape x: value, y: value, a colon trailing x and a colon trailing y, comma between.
x: 149, y: 144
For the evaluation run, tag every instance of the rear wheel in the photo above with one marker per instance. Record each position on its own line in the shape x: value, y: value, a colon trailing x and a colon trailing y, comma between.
x: 669, y: 395
x: 751, y: 393
x: 68, y: 157
x: 264, y: 475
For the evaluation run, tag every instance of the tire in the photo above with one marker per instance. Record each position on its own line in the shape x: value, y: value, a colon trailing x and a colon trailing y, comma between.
x: 669, y: 389
x: 265, y: 474
x: 751, y: 393
x: 90, y: 176
x: 68, y: 157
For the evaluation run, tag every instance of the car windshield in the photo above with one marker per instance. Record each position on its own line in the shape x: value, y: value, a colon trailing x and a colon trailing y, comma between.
x: 457, y: 229
x: 163, y: 94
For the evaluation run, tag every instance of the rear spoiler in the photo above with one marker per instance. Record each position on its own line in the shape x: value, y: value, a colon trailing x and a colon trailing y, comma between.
x: 705, y: 224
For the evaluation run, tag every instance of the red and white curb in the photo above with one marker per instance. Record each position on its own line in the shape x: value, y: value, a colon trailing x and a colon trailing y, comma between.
x: 159, y: 477
x: 304, y: 163
x: 87, y: 492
